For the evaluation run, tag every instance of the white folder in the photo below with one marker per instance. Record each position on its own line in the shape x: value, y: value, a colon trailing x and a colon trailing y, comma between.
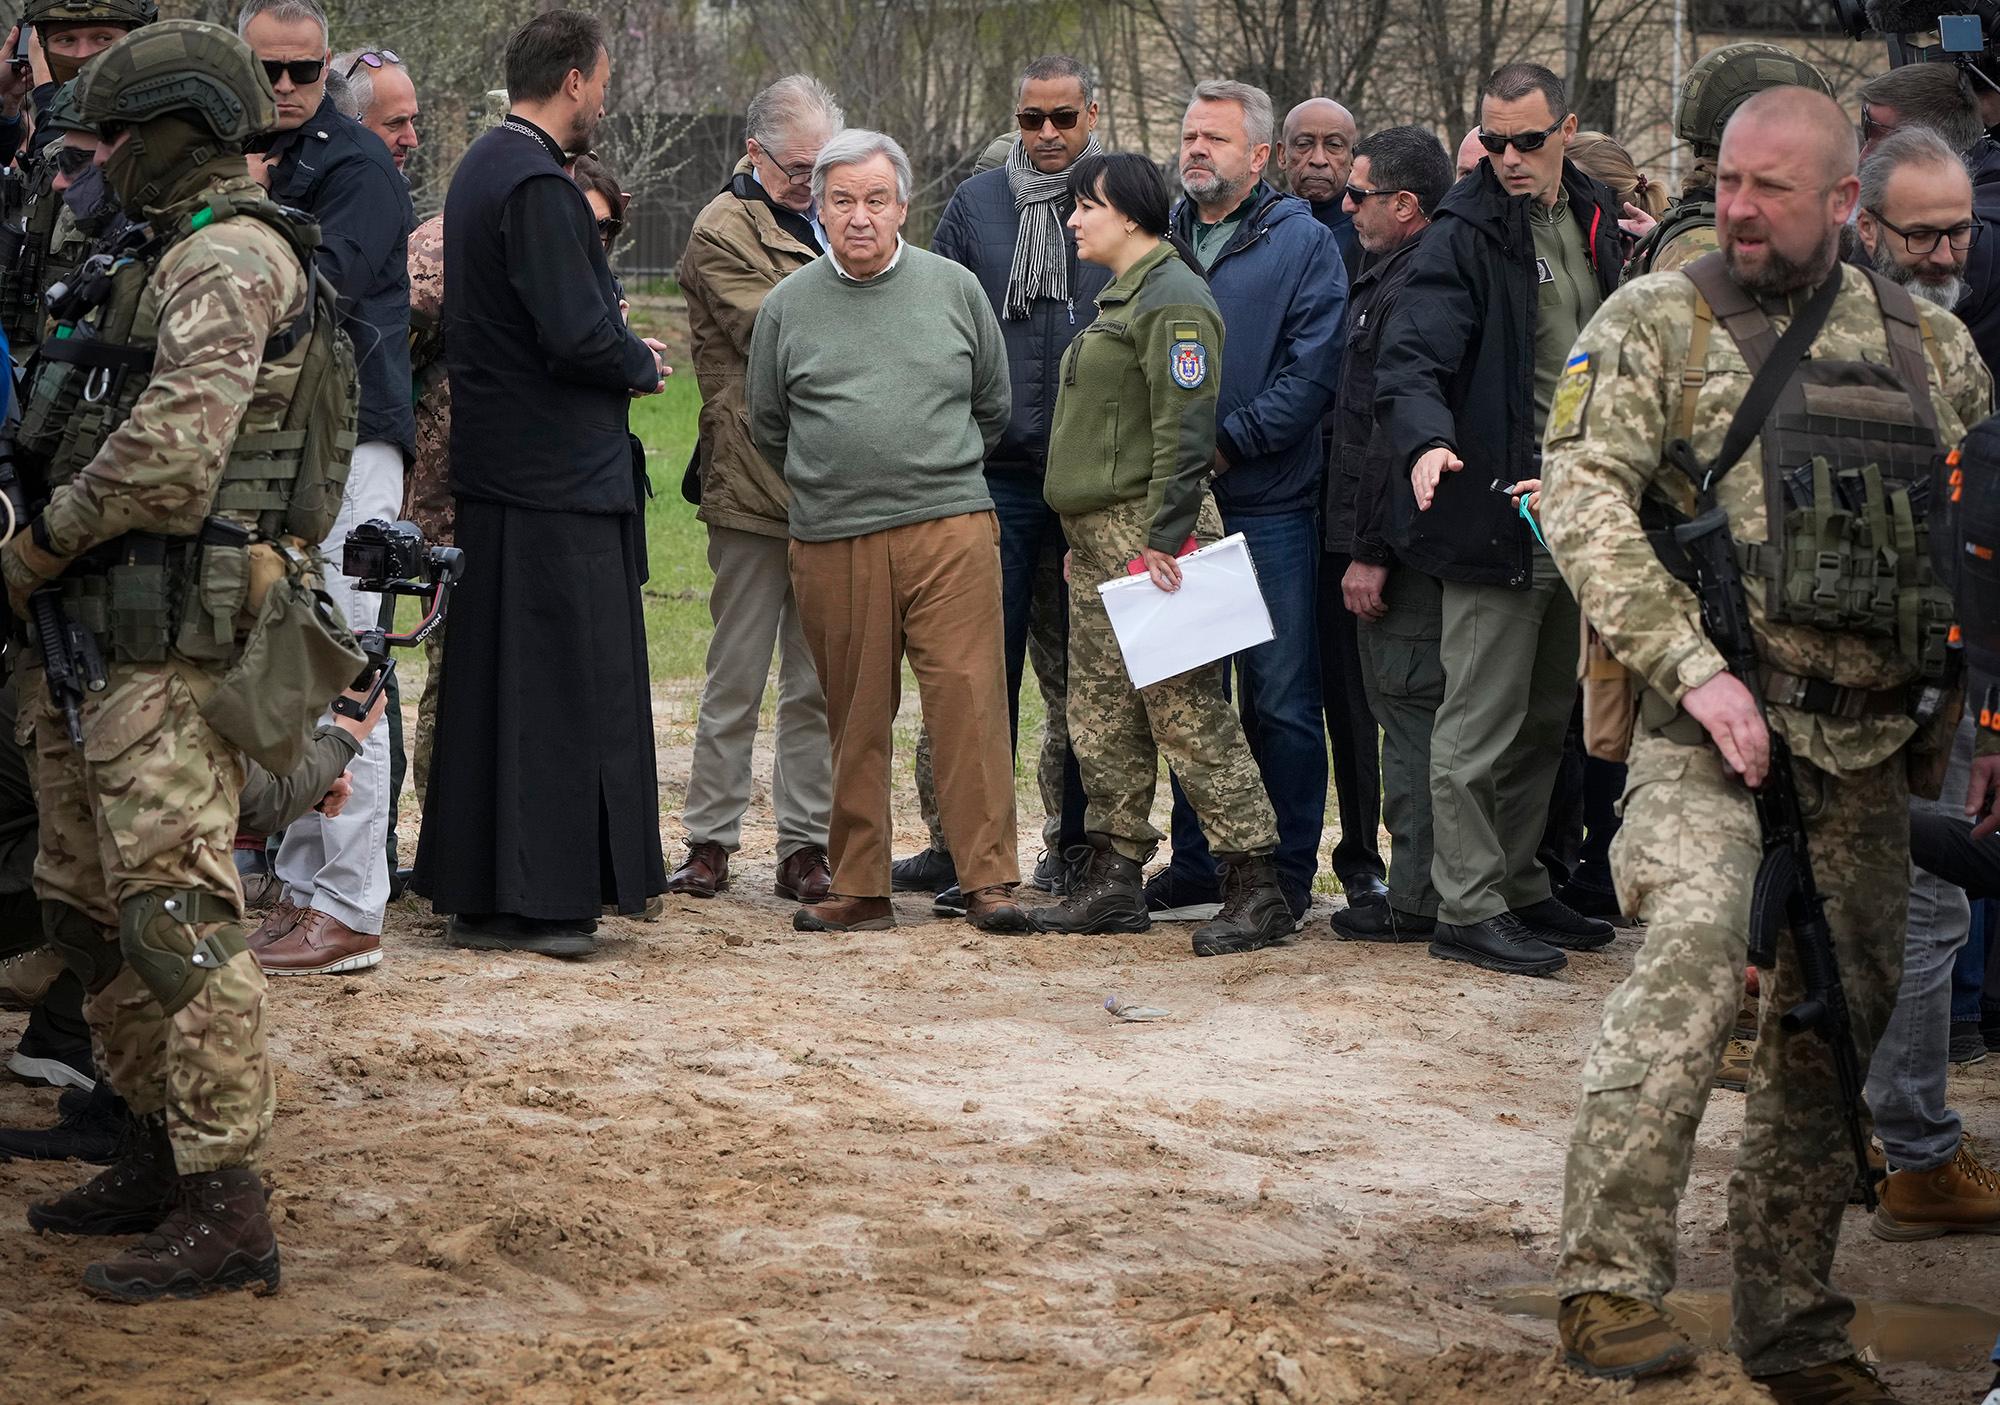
x: 1218, y: 611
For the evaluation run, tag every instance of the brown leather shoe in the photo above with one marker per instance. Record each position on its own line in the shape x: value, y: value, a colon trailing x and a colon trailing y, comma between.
x: 805, y: 876
x: 1960, y: 1197
x: 705, y: 872
x: 319, y: 944
x: 278, y: 921
x: 993, y: 909
x: 838, y: 914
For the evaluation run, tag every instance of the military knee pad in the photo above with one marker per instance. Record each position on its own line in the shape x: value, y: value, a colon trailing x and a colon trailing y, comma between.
x: 158, y: 932
x: 82, y: 943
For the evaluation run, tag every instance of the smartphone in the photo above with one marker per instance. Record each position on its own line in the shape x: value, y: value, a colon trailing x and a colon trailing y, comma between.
x: 19, y: 58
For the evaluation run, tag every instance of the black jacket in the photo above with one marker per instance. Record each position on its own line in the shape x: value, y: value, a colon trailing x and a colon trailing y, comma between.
x: 1979, y: 309
x: 1360, y: 466
x: 977, y: 230
x: 542, y: 365
x: 1457, y: 368
x: 338, y: 171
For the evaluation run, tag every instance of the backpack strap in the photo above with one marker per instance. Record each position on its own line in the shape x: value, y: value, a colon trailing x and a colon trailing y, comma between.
x: 1910, y: 338
x: 1735, y: 309
x: 1694, y: 371
x: 300, y: 234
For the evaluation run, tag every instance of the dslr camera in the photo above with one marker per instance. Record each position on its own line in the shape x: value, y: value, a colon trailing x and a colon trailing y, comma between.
x: 392, y: 559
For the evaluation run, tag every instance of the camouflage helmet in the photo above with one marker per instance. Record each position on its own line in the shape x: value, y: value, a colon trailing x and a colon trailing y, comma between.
x: 200, y: 71
x: 1717, y: 85
x: 65, y: 113
x: 126, y: 12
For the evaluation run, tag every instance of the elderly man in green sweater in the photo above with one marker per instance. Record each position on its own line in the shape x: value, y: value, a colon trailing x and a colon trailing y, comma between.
x: 877, y: 384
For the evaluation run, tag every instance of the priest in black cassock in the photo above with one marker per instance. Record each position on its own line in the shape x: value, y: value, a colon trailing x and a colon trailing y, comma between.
x: 543, y: 806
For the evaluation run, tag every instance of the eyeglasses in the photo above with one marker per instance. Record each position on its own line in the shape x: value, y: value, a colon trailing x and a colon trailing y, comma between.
x: 72, y: 161
x: 1925, y: 241
x: 303, y: 72
x: 374, y: 58
x: 795, y: 173
x: 1063, y: 118
x: 1524, y: 142
x: 1358, y: 193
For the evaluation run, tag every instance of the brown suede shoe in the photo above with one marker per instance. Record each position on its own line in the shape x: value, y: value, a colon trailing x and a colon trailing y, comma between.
x: 805, y: 876
x: 838, y: 914
x: 705, y: 872
x: 1619, y: 1338
x: 1848, y: 1382
x: 217, y: 1238
x: 25, y: 979
x: 319, y: 944
x: 1960, y: 1197
x: 994, y: 910
x: 278, y: 921
x: 1737, y: 1057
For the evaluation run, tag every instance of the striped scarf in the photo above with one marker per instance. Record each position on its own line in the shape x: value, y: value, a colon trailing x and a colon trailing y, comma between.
x: 1041, y: 250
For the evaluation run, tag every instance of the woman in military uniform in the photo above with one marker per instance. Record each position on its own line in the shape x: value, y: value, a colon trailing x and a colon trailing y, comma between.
x: 1130, y: 452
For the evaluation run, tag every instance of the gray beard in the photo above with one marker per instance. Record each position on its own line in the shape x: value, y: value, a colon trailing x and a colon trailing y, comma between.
x: 1207, y: 190
x: 1945, y: 295
x: 1781, y: 276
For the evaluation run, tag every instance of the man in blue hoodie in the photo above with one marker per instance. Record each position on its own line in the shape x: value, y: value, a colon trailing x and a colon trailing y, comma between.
x: 1278, y: 277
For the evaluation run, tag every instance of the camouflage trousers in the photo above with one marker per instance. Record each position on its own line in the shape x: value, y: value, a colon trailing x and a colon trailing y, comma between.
x: 1685, y: 861
x: 1047, y: 656
x: 426, y: 732
x: 1119, y: 732
x: 149, y: 807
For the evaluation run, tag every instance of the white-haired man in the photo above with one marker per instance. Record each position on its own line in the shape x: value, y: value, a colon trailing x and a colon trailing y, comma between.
x: 377, y: 91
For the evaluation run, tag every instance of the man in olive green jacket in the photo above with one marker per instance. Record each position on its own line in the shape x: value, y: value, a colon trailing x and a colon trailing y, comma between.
x: 760, y: 229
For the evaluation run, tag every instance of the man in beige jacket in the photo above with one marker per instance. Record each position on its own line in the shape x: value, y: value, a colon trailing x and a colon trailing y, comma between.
x: 761, y: 228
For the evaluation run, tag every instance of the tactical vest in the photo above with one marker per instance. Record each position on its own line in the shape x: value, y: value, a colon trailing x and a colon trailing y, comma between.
x: 284, y: 477
x: 1849, y: 455
x: 1682, y: 217
x: 24, y: 265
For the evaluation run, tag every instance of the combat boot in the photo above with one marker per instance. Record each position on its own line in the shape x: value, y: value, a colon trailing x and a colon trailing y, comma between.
x: 1620, y: 1338
x: 95, y: 1127
x: 1254, y: 912
x: 218, y: 1237
x: 26, y: 977
x: 1848, y: 1382
x: 130, y: 1196
x: 1108, y: 895
x: 1960, y: 1197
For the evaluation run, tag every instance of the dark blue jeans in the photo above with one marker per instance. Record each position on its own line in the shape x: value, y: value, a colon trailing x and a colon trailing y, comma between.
x: 1280, y: 683
x: 1029, y: 527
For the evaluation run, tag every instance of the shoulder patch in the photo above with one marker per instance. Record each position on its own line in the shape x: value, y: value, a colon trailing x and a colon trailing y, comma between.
x: 1188, y: 362
x: 1572, y: 398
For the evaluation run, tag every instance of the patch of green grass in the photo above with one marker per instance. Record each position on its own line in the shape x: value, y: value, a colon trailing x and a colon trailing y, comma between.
x: 676, y: 598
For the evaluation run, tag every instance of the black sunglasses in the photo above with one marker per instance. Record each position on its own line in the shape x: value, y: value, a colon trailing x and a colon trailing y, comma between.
x: 1358, y: 193
x: 72, y: 161
x: 303, y: 72
x: 1063, y: 118
x: 609, y: 228
x: 374, y: 58
x: 1496, y: 143
x: 1925, y: 241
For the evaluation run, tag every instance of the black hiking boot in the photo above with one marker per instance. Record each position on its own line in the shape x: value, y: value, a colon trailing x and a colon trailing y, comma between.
x: 91, y: 1128
x: 217, y: 1237
x: 932, y: 871
x: 1254, y: 912
x: 130, y: 1196
x: 1108, y: 895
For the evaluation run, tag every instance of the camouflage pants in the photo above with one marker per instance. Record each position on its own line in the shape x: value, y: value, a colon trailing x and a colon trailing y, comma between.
x: 1684, y: 861
x: 426, y: 730
x: 1047, y: 656
x: 149, y: 805
x: 1119, y: 732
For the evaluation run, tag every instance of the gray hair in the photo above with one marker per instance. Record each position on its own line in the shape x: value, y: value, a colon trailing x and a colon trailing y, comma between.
x: 853, y: 145
x: 285, y: 12
x: 1050, y: 66
x: 795, y: 103
x: 1258, y: 120
x: 1906, y: 146
x: 356, y: 93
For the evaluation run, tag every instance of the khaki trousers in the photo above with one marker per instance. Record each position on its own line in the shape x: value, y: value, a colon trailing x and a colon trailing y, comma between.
x: 929, y: 591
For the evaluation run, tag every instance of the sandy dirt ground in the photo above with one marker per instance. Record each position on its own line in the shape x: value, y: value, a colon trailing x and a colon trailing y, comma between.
x: 721, y: 1161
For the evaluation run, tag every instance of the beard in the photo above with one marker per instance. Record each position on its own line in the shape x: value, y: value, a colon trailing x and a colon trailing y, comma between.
x: 1206, y: 187
x: 582, y: 132
x: 1779, y: 274
x: 1939, y: 292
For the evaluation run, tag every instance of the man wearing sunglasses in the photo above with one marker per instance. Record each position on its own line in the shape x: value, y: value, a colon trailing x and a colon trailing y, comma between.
x: 376, y: 91
x: 335, y: 871
x: 1522, y: 252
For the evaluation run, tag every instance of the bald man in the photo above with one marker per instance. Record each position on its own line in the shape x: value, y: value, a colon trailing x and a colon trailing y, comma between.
x: 1689, y: 851
x: 1470, y: 154
x: 1317, y: 154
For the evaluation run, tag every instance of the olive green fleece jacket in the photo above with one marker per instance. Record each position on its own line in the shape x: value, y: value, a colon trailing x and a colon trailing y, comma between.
x: 1135, y: 412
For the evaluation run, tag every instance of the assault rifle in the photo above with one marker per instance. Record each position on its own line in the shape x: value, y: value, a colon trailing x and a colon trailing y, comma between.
x: 72, y: 664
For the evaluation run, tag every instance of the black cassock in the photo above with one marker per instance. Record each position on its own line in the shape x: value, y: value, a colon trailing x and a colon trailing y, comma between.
x: 543, y: 798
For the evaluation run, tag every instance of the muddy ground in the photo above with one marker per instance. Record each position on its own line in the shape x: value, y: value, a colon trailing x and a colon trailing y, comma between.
x: 721, y: 1161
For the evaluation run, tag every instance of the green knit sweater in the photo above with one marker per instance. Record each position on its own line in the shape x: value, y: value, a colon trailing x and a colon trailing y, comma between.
x: 878, y: 400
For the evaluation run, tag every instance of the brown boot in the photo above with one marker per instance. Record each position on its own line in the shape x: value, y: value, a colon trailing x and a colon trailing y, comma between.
x: 704, y: 873
x: 1848, y: 1382
x: 1960, y: 1197
x: 25, y: 979
x: 217, y: 1238
x: 319, y: 944
x: 1734, y: 1073
x: 839, y: 914
x: 1619, y: 1338
x: 278, y: 921
x: 804, y: 876
x: 993, y: 909
x: 130, y: 1196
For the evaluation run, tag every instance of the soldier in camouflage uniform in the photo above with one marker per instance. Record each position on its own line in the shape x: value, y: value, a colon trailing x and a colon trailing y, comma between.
x: 1839, y: 693
x: 1152, y: 360
x: 135, y: 871
x: 427, y: 497
x: 1714, y: 88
